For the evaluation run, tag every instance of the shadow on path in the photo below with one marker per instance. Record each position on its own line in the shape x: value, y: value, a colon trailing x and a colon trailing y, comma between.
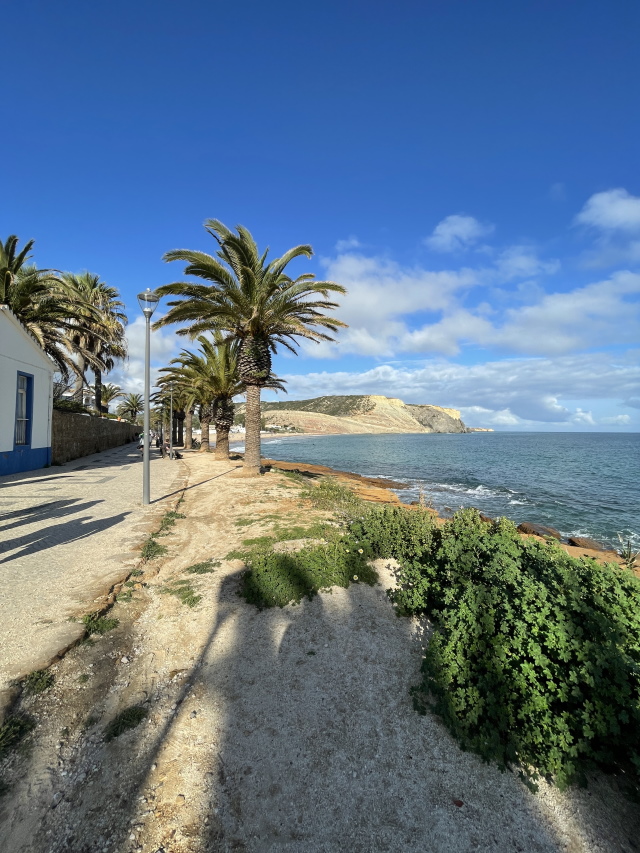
x: 59, y: 534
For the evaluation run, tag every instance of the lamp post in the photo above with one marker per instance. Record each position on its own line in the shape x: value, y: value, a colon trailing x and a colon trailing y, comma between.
x: 171, y: 426
x: 148, y: 302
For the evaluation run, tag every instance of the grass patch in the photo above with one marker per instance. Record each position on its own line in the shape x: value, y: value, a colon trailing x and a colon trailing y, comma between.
x: 329, y: 494
x: 276, y: 579
x: 125, y: 596
x: 153, y: 549
x: 96, y: 624
x: 82, y: 679
x: 126, y: 720
x: 38, y: 681
x: 184, y: 591
x: 244, y: 522
x: 205, y: 568
x: 13, y: 731
x: 136, y: 573
x: 168, y: 521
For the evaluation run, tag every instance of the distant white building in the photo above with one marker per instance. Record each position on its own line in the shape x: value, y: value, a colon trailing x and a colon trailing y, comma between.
x: 26, y: 398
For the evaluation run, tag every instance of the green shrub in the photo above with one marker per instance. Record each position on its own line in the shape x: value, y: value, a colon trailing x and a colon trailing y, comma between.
x: 153, y: 549
x: 127, y: 719
x: 38, y: 681
x: 535, y: 657
x: 329, y: 494
x: 275, y: 579
x: 66, y: 405
x: 183, y: 590
x: 168, y: 521
x: 13, y: 731
x: 205, y: 568
x: 96, y: 624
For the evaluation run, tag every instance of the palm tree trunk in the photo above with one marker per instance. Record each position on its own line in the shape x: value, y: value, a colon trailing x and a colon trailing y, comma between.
x: 188, y: 429
x: 222, y: 442
x: 205, y: 420
x: 78, y: 382
x: 98, y: 389
x: 251, y: 467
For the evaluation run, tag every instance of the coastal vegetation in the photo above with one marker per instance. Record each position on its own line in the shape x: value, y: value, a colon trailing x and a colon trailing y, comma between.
x: 77, y: 319
x: 533, y: 656
x: 254, y: 302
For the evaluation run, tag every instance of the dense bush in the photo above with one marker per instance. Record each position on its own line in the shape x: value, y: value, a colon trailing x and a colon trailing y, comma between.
x: 66, y: 405
x: 535, y: 656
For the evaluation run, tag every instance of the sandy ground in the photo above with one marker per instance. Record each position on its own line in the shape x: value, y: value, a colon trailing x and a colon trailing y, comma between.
x: 280, y: 730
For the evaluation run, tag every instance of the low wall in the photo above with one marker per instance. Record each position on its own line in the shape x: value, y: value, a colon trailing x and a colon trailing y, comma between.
x: 73, y: 435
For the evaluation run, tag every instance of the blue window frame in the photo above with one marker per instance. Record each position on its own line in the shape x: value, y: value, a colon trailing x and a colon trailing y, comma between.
x: 24, y: 410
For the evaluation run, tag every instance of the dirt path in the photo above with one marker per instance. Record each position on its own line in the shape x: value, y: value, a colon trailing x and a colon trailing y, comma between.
x: 281, y: 730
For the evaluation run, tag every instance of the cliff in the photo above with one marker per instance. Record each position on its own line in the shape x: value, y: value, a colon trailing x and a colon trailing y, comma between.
x: 361, y: 414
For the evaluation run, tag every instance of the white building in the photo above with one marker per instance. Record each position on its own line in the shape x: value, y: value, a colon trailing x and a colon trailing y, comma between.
x: 26, y: 398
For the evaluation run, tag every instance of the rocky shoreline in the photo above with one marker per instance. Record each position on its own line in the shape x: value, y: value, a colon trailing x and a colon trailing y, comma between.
x: 379, y: 490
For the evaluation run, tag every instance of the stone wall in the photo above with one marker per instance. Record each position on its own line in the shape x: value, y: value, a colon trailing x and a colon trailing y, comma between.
x: 73, y: 435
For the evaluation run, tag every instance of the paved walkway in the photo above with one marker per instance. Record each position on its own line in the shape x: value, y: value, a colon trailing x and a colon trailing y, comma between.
x: 67, y: 534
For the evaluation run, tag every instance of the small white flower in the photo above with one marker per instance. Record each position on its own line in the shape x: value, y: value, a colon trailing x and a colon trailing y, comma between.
x: 360, y: 551
x: 355, y: 577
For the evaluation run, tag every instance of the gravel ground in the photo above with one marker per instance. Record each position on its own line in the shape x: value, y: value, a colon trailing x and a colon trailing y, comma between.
x: 282, y: 730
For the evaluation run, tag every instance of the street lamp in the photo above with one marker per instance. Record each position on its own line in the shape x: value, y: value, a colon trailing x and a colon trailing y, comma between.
x: 148, y: 302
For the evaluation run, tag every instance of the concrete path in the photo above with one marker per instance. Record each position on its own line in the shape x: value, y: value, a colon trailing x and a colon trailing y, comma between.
x: 67, y: 534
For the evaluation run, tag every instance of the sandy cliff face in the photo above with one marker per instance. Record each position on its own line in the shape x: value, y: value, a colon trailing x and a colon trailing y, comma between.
x: 362, y: 414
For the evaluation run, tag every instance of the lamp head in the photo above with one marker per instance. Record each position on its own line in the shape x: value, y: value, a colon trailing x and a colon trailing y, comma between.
x: 148, y: 302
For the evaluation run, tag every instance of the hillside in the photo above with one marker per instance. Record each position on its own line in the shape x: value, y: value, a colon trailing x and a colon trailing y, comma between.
x: 361, y: 414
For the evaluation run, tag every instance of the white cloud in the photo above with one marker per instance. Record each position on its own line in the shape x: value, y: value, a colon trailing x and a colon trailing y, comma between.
x: 581, y: 417
x: 381, y: 293
x: 519, y: 262
x: 617, y: 420
x: 498, y: 393
x: 599, y: 314
x: 615, y: 217
x: 165, y: 344
x: 612, y: 210
x: 382, y: 296
x: 350, y: 243
x: 457, y: 233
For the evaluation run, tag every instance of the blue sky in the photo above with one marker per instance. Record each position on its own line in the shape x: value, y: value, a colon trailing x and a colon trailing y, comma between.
x: 468, y: 170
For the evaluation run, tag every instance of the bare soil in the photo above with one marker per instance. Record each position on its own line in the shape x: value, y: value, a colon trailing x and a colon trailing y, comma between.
x: 283, y: 730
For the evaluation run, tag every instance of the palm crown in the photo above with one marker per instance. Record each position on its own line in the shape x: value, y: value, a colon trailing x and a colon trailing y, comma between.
x: 253, y: 301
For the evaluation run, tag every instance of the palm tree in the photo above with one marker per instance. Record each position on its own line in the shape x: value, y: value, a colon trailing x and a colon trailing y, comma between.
x: 100, y: 341
x: 253, y: 301
x: 131, y: 407
x: 214, y: 372
x: 47, y: 306
x: 109, y: 394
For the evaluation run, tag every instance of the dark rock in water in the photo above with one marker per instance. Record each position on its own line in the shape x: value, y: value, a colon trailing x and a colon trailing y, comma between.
x: 538, y: 530
x: 585, y: 542
x: 487, y: 519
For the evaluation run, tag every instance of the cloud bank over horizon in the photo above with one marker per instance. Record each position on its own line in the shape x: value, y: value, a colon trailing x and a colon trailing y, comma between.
x: 515, y: 335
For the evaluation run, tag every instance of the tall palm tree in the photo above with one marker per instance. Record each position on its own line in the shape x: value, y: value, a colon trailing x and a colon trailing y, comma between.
x: 109, y: 394
x: 47, y: 306
x: 212, y: 375
x: 100, y: 340
x: 131, y: 407
x: 253, y: 301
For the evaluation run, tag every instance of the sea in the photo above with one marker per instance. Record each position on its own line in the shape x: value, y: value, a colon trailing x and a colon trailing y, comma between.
x: 582, y: 484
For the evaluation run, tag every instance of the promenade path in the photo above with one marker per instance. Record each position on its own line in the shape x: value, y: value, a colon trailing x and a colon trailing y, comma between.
x: 67, y: 534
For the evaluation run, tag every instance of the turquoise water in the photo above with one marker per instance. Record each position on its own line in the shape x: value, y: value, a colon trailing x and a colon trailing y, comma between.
x: 584, y: 484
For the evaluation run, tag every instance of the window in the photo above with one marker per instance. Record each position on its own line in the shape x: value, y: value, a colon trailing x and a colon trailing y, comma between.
x: 24, y: 407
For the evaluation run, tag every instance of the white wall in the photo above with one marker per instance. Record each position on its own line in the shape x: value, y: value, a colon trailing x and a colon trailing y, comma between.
x: 19, y: 352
